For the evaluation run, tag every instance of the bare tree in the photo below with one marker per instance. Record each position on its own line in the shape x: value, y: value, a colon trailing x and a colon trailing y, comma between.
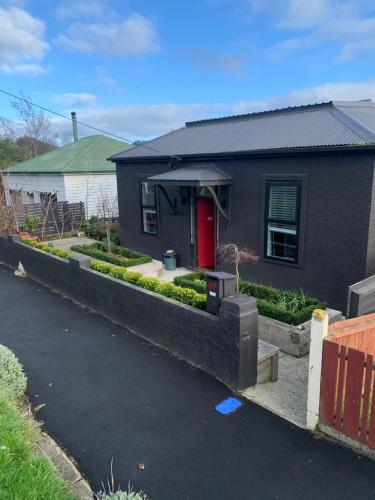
x: 7, y: 215
x: 233, y: 254
x: 36, y: 124
x: 107, y: 211
x: 7, y: 129
x: 46, y: 208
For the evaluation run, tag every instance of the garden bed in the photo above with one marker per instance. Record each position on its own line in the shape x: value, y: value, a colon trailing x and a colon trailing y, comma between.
x: 287, y: 307
x: 284, y: 317
x: 119, y: 256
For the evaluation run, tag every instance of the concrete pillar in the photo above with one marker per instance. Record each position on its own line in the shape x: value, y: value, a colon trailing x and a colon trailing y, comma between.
x: 80, y: 261
x: 238, y: 316
x: 319, y: 330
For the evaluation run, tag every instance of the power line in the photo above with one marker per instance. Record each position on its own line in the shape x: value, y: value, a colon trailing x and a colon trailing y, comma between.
x: 89, y: 126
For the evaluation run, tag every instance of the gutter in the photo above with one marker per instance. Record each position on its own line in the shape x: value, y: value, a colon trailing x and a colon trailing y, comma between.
x: 264, y: 153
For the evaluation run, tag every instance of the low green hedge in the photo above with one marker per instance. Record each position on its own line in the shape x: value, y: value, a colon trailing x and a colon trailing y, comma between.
x: 120, y: 256
x: 196, y: 281
x: 185, y: 295
x: 289, y: 307
x: 46, y: 248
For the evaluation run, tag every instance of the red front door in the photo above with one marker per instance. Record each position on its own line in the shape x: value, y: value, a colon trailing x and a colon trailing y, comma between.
x: 206, y: 232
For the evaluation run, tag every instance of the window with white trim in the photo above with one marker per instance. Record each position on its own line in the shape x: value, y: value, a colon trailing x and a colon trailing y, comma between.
x: 282, y: 220
x: 149, y: 208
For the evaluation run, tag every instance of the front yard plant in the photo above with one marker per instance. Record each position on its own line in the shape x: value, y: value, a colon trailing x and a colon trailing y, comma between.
x: 289, y: 307
x: 12, y: 379
x: 179, y: 293
x: 46, y: 248
x: 119, y: 256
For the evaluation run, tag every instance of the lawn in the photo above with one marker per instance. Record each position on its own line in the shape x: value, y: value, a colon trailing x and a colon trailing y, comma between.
x: 24, y: 472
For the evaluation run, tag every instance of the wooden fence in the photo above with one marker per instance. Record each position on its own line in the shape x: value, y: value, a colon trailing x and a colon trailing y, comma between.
x: 358, y: 333
x: 347, y: 394
x: 56, y: 217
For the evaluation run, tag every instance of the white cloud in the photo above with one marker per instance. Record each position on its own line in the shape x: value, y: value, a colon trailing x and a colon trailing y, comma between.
x: 342, y: 91
x: 135, y: 35
x: 22, y: 42
x: 70, y: 98
x: 135, y: 122
x: 141, y: 122
x: 348, y: 26
x: 72, y: 9
x: 24, y: 69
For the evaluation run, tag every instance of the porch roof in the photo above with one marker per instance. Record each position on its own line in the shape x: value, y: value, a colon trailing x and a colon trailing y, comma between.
x: 202, y: 175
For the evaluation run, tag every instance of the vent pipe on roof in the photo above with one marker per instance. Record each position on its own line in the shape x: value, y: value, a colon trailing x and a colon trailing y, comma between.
x: 74, y: 123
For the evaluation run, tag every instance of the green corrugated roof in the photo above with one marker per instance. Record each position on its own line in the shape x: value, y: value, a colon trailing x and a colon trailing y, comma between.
x: 86, y: 155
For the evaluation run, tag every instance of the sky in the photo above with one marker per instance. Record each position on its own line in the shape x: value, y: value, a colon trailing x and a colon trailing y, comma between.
x: 142, y: 68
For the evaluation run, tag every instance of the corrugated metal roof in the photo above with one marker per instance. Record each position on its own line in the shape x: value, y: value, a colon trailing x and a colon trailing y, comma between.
x: 326, y: 124
x: 202, y: 175
x: 84, y: 156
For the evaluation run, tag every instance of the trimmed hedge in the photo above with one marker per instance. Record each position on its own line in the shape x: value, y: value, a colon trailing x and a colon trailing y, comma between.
x: 185, y: 295
x: 120, y: 256
x: 196, y: 281
x: 46, y: 248
x: 289, y: 307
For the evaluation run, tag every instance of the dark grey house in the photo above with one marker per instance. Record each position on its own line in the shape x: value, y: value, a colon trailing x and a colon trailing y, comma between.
x: 295, y: 185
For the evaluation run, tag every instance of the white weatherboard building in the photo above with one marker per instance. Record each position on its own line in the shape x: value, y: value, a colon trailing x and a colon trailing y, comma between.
x: 77, y: 172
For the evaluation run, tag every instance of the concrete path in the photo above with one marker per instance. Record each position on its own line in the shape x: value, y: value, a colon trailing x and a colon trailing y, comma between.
x: 288, y: 396
x: 67, y: 243
x: 109, y: 394
x: 154, y: 269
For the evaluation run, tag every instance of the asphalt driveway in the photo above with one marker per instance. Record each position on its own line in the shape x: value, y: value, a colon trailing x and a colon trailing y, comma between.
x: 110, y: 394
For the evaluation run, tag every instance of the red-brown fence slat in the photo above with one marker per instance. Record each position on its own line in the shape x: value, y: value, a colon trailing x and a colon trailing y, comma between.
x: 340, y: 387
x: 353, y: 392
x: 371, y: 427
x: 366, y: 398
x: 328, y: 381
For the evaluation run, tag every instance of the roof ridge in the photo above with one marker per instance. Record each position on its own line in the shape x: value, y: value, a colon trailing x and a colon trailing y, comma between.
x: 289, y: 109
x: 364, y: 132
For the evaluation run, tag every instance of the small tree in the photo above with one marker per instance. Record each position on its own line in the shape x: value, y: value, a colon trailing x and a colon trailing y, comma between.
x: 32, y: 222
x: 108, y: 211
x: 233, y: 254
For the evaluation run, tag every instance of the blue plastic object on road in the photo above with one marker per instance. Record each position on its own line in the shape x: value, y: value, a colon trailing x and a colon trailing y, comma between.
x: 228, y: 406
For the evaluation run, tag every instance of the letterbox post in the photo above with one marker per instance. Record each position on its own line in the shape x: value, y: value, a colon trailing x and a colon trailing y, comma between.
x: 219, y: 285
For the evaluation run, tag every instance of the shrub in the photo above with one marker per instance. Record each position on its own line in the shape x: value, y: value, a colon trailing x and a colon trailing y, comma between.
x: 148, y: 283
x: 121, y: 495
x: 195, y: 281
x: 12, y: 379
x: 185, y: 295
x: 95, y: 228
x: 46, y: 248
x: 120, y: 257
x: 286, y: 306
x: 32, y: 222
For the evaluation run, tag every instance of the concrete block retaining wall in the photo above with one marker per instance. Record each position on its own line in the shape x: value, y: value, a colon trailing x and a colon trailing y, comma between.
x: 224, y: 345
x: 294, y: 340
